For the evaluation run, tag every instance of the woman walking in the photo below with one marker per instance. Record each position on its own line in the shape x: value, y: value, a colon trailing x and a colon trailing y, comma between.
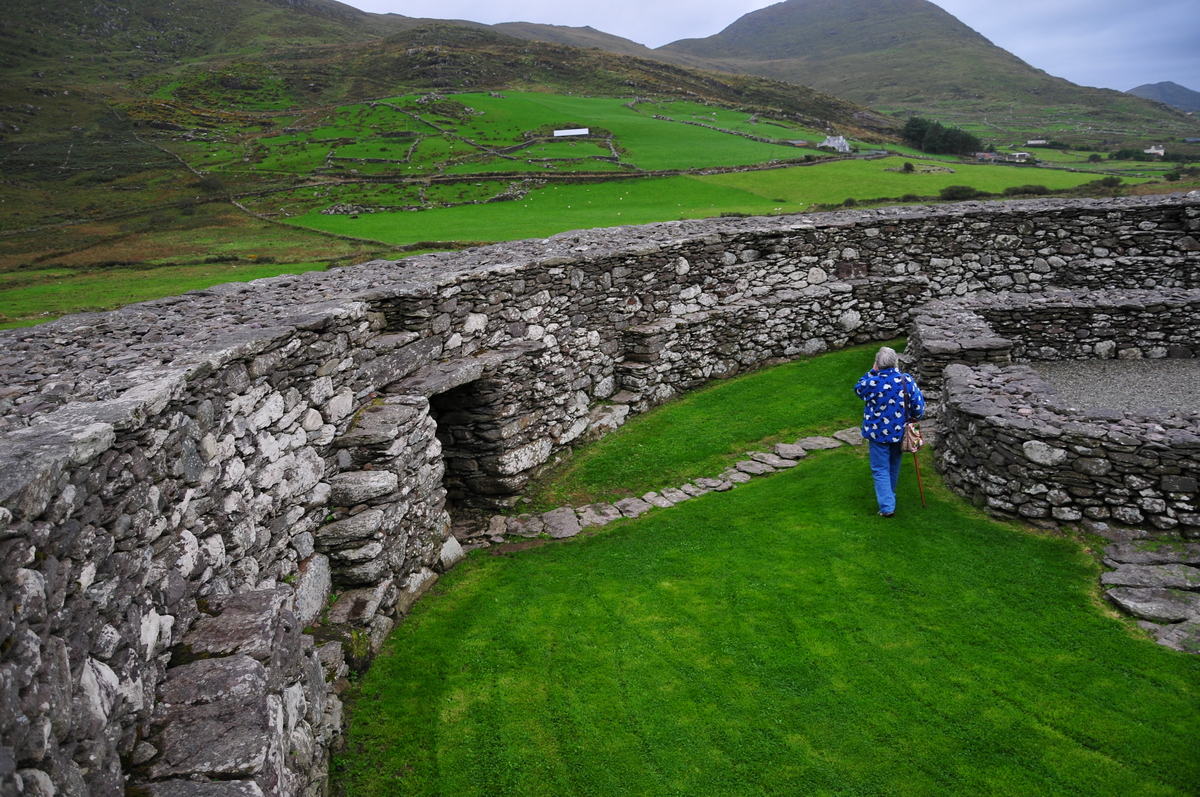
x: 892, y: 400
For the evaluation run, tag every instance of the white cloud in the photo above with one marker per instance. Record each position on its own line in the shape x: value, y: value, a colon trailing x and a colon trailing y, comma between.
x: 1109, y: 43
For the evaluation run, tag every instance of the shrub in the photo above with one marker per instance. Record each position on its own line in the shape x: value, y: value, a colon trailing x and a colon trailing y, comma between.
x: 908, y: 167
x: 1171, y: 177
x: 911, y: 198
x: 958, y: 192
x: 1094, y: 158
x: 934, y: 137
x: 850, y: 202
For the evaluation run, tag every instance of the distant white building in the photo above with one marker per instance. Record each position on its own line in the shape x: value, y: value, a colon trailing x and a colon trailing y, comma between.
x: 1036, y: 142
x: 1157, y: 149
x: 575, y: 131
x: 838, y: 143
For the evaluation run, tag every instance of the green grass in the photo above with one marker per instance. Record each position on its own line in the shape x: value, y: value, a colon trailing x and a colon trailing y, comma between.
x: 551, y: 210
x: 834, y: 182
x: 779, y: 639
x: 705, y: 431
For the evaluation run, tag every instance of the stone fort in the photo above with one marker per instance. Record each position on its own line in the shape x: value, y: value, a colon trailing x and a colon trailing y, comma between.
x: 186, y: 484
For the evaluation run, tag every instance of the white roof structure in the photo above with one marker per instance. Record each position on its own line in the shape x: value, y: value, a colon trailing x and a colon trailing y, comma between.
x: 574, y: 131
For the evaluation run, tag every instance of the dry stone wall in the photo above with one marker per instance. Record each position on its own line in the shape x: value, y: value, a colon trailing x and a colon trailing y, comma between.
x: 212, y: 506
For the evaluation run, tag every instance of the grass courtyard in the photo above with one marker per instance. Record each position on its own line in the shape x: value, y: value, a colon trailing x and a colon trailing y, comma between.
x: 777, y: 639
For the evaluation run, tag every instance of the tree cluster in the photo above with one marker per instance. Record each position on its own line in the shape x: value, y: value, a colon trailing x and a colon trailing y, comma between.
x: 935, y: 138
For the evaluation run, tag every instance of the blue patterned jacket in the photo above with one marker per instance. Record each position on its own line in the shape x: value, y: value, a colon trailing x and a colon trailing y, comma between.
x: 884, y: 415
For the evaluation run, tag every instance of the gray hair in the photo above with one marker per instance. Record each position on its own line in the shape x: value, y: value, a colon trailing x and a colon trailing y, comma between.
x: 886, y: 358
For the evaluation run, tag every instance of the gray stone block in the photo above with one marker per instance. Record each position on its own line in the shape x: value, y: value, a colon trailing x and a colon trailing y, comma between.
x: 774, y: 460
x: 226, y: 738
x: 452, y: 553
x: 561, y: 523
x: 654, y: 499
x: 818, y: 443
x: 734, y: 476
x: 851, y: 437
x: 1175, y: 576
x: 674, y: 495
x: 754, y: 468
x: 187, y: 788
x: 1160, y: 605
x: 247, y: 623
x: 358, y: 487
x: 1184, y: 637
x: 236, y: 677
x: 312, y: 588
x: 598, y: 514
x: 790, y: 451
x: 632, y: 507
x: 358, y: 606
x: 354, y: 530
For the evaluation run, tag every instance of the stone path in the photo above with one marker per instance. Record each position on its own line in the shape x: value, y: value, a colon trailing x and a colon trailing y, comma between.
x: 1158, y: 582
x: 567, y: 521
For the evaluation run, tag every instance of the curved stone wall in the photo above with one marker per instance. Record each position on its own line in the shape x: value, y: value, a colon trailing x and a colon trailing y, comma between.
x: 186, y: 485
x: 1005, y: 438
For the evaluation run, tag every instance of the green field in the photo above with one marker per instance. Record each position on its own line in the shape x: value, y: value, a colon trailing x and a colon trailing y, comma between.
x: 554, y: 209
x: 779, y: 639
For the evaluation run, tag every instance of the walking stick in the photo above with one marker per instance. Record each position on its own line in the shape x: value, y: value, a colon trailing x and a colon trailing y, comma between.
x: 918, y: 441
x: 921, y: 487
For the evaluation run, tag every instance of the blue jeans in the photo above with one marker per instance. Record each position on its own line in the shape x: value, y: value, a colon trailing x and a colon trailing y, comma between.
x: 885, y: 469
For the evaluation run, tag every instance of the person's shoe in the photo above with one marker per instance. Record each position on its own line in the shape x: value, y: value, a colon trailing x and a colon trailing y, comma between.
x: 886, y: 514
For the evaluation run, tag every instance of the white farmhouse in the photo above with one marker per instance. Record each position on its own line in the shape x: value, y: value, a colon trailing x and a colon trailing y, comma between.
x: 838, y: 143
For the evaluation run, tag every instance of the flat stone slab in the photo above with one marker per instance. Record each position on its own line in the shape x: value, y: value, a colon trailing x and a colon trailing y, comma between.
x: 452, y: 553
x: 708, y: 484
x: 632, y: 507
x: 352, y: 531
x: 226, y: 738
x: 522, y: 526
x: 358, y: 605
x: 1157, y: 604
x: 660, y: 501
x: 695, y: 491
x: 236, y: 678
x: 818, y: 443
x: 852, y: 436
x: 561, y: 523
x: 1148, y: 552
x: 246, y: 624
x: 219, y: 788
x: 734, y: 476
x: 675, y: 495
x: 754, y: 468
x: 598, y: 514
x: 358, y: 487
x: 1173, y: 575
x: 312, y: 588
x: 774, y: 460
x: 1184, y: 637
x: 790, y: 451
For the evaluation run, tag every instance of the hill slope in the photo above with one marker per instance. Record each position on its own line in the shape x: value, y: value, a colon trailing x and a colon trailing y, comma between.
x: 884, y: 52
x: 1169, y: 93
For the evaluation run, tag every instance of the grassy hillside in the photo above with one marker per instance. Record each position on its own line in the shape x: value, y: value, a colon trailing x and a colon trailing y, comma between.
x: 905, y: 54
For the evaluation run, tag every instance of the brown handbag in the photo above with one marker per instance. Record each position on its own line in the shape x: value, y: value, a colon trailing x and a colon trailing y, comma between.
x: 911, y: 441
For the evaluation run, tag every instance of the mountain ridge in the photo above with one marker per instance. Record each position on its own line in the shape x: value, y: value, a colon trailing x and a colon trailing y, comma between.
x: 1169, y: 93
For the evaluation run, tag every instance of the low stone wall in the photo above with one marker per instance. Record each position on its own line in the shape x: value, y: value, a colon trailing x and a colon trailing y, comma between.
x: 203, y: 498
x: 1053, y: 325
x: 1007, y: 441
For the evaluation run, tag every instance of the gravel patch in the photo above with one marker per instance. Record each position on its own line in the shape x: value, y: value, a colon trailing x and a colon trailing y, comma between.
x: 1129, y: 385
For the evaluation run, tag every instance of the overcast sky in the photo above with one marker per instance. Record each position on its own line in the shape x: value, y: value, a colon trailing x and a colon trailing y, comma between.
x: 1116, y: 44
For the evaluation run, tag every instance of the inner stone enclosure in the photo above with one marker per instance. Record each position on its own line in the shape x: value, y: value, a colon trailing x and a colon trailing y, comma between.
x: 1010, y: 443
x: 185, y: 483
